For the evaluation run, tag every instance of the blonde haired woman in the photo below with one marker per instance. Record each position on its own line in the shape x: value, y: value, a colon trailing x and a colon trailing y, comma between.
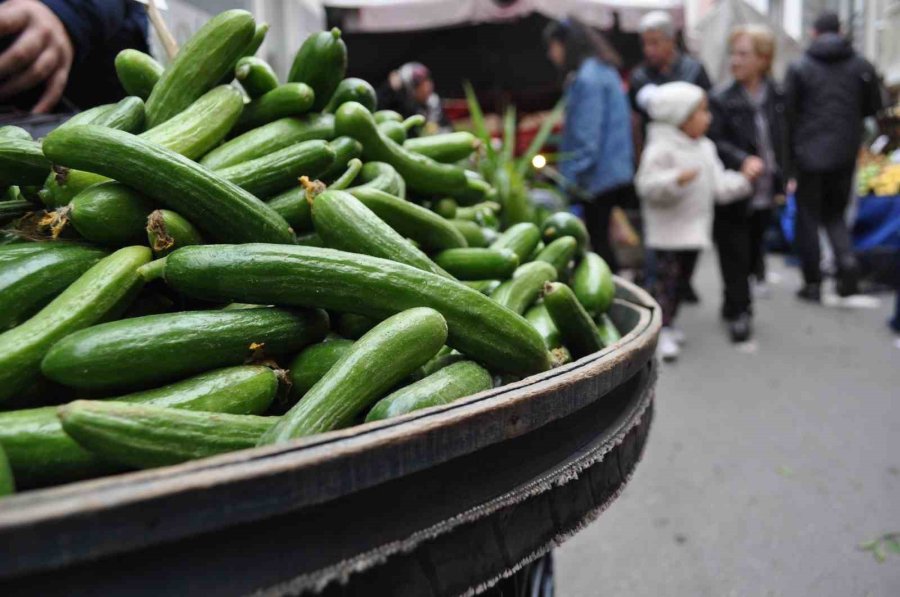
x: 749, y: 132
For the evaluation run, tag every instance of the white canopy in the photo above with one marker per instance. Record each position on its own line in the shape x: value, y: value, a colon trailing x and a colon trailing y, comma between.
x: 411, y: 15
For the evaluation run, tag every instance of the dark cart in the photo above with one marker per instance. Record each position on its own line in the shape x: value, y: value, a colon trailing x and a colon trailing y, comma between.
x: 443, y: 501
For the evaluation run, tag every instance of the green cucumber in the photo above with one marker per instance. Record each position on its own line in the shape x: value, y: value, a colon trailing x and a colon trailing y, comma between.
x: 143, y: 351
x: 351, y: 325
x: 141, y: 436
x: 126, y: 115
x: 200, y: 126
x: 593, y: 284
x: 381, y: 176
x: 609, y: 333
x: 11, y: 210
x: 313, y: 363
x: 482, y: 214
x: 478, y: 264
x: 374, y: 364
x: 320, y: 63
x: 259, y: 36
x: 7, y: 482
x: 167, y: 231
x: 93, y: 296
x: 200, y: 64
x: 393, y: 131
x: 220, y: 208
x: 429, y: 230
x: 537, y: 251
x: 422, y: 174
x: 22, y: 162
x: 445, y: 356
x: 476, y: 190
x: 543, y: 323
x: 138, y: 72
x: 446, y: 208
x: 525, y: 287
x: 485, y: 287
x: 578, y: 331
x: 268, y: 138
x: 11, y: 131
x: 386, y: 115
x: 109, y: 214
x: 345, y: 223
x: 559, y: 253
x: 30, y: 279
x: 191, y: 133
x: 290, y: 99
x: 255, y: 76
x: 352, y: 89
x: 345, y: 149
x: 293, y: 206
x: 522, y: 238
x: 42, y: 454
x: 347, y: 178
x: 442, y: 387
x: 446, y: 147
x: 472, y: 232
x: 307, y: 276
x: 563, y: 223
x: 279, y: 170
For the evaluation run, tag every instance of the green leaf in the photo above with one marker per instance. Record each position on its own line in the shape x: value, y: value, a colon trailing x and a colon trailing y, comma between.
x: 893, y: 544
x: 879, y: 553
x: 509, y: 134
x: 541, y: 137
x: 869, y: 545
x: 479, y: 127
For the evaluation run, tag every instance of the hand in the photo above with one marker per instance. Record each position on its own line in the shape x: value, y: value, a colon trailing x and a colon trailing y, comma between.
x: 685, y: 177
x: 41, y: 53
x: 753, y: 168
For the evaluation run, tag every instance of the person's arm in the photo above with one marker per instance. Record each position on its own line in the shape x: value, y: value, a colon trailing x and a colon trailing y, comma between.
x: 584, y: 122
x: 90, y: 22
x: 872, y: 100
x: 720, y: 131
x: 658, y: 181
x: 792, y: 91
x: 728, y: 185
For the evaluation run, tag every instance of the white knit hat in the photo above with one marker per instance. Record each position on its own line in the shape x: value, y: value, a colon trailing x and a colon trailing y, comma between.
x: 673, y: 103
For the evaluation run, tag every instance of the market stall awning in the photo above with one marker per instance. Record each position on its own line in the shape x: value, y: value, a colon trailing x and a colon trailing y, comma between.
x: 410, y: 15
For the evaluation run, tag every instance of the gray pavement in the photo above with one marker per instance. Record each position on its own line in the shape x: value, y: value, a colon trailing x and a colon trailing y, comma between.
x: 765, y: 468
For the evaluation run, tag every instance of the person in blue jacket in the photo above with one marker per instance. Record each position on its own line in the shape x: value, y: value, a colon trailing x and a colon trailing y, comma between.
x: 597, y: 153
x: 58, y: 54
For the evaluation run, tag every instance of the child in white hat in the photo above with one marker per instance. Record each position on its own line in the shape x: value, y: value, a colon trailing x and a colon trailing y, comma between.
x: 679, y: 179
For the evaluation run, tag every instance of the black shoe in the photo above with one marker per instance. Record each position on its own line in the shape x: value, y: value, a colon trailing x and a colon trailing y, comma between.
x: 741, y: 328
x: 847, y: 285
x: 811, y: 293
x: 689, y: 295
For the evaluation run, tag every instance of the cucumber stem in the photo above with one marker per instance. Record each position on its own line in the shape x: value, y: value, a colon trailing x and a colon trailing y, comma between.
x: 347, y: 178
x: 152, y: 270
x: 413, y: 121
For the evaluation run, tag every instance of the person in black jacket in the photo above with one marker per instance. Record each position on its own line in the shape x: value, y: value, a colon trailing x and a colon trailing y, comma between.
x: 829, y: 91
x: 750, y: 135
x: 663, y: 63
x: 59, y: 49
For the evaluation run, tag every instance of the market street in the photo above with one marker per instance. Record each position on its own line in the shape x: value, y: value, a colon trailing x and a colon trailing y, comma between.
x: 764, y: 471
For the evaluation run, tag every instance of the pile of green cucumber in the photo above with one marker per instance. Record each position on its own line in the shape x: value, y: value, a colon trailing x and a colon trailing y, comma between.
x: 223, y: 260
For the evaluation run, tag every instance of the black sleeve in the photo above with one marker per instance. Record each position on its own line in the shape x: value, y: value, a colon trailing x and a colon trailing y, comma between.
x: 721, y: 134
x: 792, y: 91
x: 872, y: 100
